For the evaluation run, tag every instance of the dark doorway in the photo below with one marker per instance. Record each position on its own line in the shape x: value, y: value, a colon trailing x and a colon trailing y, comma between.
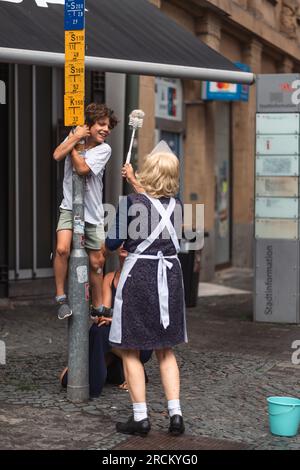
x: 4, y: 180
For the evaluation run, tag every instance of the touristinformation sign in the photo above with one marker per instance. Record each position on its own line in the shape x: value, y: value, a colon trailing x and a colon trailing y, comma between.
x: 277, y: 199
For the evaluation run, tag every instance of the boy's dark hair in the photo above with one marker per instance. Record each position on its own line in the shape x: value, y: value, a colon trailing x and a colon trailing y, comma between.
x: 94, y: 112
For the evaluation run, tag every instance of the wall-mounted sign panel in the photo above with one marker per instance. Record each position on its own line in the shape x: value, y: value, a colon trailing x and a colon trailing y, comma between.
x: 277, y: 145
x: 278, y: 207
x: 287, y: 229
x: 275, y: 93
x: 281, y: 186
x: 277, y: 166
x: 277, y: 281
x: 168, y: 98
x: 277, y: 199
x: 278, y: 123
x: 220, y: 91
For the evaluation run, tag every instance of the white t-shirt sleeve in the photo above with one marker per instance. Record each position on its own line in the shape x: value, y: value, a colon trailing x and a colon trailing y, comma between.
x: 97, y: 157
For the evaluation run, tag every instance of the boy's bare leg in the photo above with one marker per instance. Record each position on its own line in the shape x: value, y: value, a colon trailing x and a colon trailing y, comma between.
x: 96, y: 275
x: 63, y: 246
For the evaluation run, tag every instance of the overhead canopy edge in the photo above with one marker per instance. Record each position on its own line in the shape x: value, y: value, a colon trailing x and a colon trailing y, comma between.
x: 57, y: 59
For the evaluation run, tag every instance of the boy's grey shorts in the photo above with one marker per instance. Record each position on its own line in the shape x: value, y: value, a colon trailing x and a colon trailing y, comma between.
x: 94, y: 234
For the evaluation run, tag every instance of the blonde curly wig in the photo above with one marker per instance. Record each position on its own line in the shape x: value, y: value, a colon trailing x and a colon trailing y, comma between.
x: 159, y: 175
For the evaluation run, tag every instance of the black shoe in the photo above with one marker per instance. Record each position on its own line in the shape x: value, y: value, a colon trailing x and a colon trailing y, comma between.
x: 176, y: 425
x: 138, y: 428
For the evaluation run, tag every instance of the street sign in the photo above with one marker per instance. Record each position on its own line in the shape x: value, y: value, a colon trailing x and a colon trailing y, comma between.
x: 74, y: 14
x: 74, y: 62
x: 74, y: 109
x: 74, y: 46
x: 74, y: 77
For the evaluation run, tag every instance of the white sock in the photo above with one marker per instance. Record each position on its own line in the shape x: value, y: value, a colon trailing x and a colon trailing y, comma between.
x: 60, y: 298
x: 139, y: 411
x: 174, y: 408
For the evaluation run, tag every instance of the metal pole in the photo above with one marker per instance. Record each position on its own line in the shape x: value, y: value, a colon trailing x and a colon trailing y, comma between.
x: 4, y: 184
x: 17, y: 175
x: 78, y: 289
x: 34, y: 175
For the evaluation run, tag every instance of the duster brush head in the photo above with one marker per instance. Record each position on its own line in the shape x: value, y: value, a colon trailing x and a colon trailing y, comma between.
x: 136, y: 118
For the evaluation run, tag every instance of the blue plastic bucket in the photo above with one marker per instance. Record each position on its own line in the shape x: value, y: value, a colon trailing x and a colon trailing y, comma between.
x: 284, y: 415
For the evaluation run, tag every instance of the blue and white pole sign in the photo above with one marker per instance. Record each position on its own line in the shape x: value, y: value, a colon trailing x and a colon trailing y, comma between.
x: 74, y: 15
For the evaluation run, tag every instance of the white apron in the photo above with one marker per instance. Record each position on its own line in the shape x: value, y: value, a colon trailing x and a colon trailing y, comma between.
x: 115, y: 335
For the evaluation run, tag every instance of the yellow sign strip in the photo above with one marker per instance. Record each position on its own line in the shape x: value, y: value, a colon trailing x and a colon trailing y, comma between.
x: 74, y: 77
x: 74, y: 109
x: 74, y: 46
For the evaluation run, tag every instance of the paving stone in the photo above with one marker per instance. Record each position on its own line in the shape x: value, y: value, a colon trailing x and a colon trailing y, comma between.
x: 228, y: 369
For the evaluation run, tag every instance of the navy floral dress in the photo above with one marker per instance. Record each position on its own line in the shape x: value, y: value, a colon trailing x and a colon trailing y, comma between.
x: 141, y: 326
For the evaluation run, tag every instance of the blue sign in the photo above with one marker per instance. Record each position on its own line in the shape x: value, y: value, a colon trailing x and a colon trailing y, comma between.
x: 243, y: 89
x: 219, y: 91
x: 74, y: 14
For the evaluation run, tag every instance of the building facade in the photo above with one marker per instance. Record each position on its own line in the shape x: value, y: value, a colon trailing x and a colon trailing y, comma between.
x: 216, y: 139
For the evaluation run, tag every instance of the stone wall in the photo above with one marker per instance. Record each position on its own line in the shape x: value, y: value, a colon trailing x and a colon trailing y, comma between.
x: 257, y: 33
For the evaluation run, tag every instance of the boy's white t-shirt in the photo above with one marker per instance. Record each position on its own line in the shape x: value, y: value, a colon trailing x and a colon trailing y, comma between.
x: 96, y: 158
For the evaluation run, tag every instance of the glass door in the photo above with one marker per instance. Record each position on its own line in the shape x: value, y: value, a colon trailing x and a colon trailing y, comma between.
x: 223, y: 185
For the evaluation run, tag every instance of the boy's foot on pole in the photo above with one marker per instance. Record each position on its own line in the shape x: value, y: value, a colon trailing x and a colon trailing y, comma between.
x: 64, y: 310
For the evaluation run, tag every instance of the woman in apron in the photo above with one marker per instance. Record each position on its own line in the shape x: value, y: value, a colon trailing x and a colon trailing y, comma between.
x: 149, y: 310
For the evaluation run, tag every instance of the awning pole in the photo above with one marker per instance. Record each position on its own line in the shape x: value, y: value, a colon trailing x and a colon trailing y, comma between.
x: 20, y: 56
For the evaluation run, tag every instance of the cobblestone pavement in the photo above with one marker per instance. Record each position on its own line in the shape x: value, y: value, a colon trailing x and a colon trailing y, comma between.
x: 228, y: 368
